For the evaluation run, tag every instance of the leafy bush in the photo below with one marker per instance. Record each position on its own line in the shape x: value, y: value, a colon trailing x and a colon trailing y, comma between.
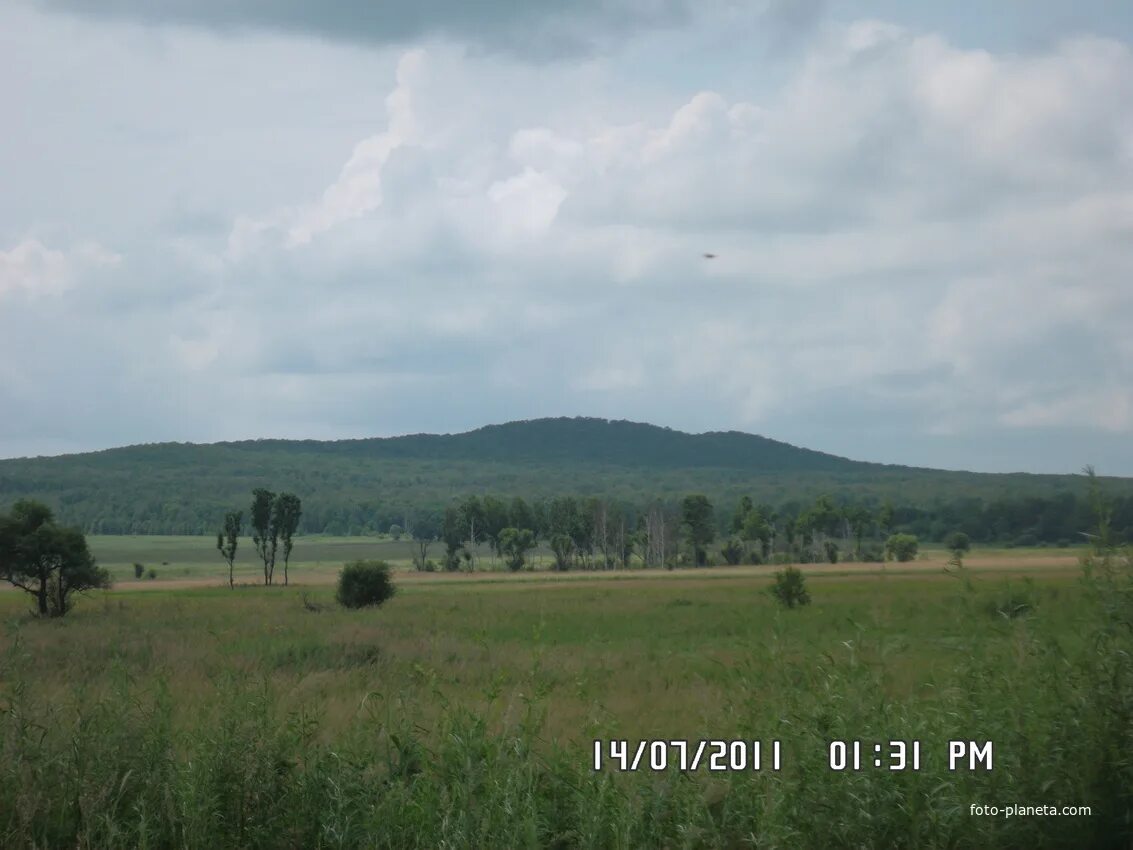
x: 139, y: 570
x: 790, y: 588
x: 831, y: 551
x: 872, y: 555
x: 514, y: 544
x: 958, y: 542
x: 1026, y: 540
x: 732, y: 552
x: 901, y: 547
x: 152, y: 574
x: 364, y: 583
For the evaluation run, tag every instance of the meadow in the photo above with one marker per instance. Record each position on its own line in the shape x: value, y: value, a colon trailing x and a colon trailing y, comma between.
x: 462, y: 713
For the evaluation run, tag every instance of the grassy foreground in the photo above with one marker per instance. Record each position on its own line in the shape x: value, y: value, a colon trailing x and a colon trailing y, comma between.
x: 461, y: 714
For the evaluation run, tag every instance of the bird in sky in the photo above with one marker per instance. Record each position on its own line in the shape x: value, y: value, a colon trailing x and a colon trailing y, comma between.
x: 710, y: 256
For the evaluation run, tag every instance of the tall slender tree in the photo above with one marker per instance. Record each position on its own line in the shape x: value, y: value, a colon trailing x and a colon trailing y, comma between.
x: 265, y: 533
x: 699, y: 526
x: 285, y: 518
x: 227, y: 538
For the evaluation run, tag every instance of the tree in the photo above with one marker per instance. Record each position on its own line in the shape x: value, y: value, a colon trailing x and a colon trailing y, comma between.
x: 425, y: 531
x: 285, y: 521
x: 699, y: 526
x: 265, y: 533
x: 790, y: 588
x: 452, y: 533
x: 885, y: 517
x: 732, y: 552
x: 739, y: 518
x: 860, y: 520
x: 519, y: 515
x: 395, y: 531
x: 515, y: 543
x: 227, y: 538
x: 45, y: 560
x: 563, y: 548
x: 958, y: 543
x: 656, y: 539
x: 902, y: 547
x: 599, y: 512
x: 756, y: 529
x: 363, y: 584
x: 472, y: 518
x: 495, y: 519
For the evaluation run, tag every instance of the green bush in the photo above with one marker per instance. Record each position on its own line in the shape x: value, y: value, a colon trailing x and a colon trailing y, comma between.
x: 958, y: 542
x: 139, y: 570
x: 790, y: 588
x: 901, y: 547
x: 732, y: 552
x: 152, y: 574
x: 872, y: 555
x: 364, y: 583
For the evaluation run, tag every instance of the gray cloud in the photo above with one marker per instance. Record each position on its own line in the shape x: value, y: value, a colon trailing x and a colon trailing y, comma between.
x: 921, y: 247
x: 516, y: 26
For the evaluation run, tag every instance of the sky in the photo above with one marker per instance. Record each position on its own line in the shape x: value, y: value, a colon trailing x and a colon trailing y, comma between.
x: 231, y: 219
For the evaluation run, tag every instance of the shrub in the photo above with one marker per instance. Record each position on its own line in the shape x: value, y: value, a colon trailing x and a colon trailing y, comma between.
x: 364, y: 583
x: 831, y: 551
x: 1026, y: 540
x: 790, y: 588
x: 901, y: 547
x: 139, y: 570
x: 872, y: 555
x: 152, y: 574
x: 732, y: 552
x: 1063, y: 543
x: 958, y: 542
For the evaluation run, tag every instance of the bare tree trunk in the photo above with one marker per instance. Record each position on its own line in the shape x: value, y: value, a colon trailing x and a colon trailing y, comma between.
x: 472, y: 541
x: 602, y: 532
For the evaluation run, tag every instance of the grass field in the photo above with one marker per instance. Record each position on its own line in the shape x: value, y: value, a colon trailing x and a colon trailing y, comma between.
x: 317, y: 560
x: 462, y: 713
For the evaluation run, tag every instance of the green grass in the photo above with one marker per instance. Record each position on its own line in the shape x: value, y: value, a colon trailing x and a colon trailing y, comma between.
x: 316, y: 559
x: 189, y: 556
x: 461, y: 713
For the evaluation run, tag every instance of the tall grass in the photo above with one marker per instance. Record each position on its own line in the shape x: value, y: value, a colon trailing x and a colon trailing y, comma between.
x: 120, y: 754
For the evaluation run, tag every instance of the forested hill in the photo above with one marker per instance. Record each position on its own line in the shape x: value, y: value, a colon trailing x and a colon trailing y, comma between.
x: 365, y: 485
x: 579, y: 440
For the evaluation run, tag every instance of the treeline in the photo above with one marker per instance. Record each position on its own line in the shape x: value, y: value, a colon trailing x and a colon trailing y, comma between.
x: 1023, y: 521
x: 597, y: 533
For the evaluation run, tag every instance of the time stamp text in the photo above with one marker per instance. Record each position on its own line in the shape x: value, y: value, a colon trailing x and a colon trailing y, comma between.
x: 739, y: 755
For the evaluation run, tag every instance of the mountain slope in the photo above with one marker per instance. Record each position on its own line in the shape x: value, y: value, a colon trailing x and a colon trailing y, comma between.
x: 583, y: 440
x: 354, y: 485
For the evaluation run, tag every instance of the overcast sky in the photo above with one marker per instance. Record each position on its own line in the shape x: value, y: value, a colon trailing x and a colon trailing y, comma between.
x: 226, y: 219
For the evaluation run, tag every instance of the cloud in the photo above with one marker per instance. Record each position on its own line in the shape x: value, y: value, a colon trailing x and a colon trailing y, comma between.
x: 32, y: 269
x: 913, y: 239
x: 831, y: 190
x: 515, y: 26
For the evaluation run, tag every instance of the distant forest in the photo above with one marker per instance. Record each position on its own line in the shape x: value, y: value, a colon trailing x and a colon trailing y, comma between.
x: 366, y: 486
